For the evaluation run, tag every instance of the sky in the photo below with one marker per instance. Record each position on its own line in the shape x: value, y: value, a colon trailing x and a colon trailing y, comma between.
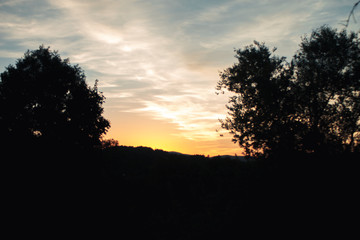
x: 158, y: 61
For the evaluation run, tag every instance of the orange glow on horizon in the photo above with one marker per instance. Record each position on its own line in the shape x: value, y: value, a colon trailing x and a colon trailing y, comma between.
x: 137, y: 129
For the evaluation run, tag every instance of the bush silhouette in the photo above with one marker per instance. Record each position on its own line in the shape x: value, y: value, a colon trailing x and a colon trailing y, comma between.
x: 44, y: 99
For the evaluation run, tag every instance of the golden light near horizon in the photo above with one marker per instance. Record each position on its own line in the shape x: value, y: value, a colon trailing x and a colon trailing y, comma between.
x: 158, y: 61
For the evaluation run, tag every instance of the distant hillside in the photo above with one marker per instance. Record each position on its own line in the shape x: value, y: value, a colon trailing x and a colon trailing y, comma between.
x: 155, y: 194
x: 240, y: 158
x: 171, y: 193
x: 143, y: 150
x: 168, y: 193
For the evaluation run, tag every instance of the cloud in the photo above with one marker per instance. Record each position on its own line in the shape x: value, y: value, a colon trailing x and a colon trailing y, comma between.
x: 160, y: 58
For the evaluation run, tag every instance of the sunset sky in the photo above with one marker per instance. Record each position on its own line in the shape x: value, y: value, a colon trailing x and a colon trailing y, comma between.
x: 158, y: 61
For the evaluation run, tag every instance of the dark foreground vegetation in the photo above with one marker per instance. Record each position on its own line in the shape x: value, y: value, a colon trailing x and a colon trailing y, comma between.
x: 161, y: 195
x: 298, y: 122
x: 178, y: 196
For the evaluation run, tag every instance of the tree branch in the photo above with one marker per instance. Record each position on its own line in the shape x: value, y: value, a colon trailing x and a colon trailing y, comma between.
x: 351, y: 14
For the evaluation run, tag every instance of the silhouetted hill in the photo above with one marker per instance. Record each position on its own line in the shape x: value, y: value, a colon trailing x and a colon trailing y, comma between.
x: 161, y: 195
x: 175, y: 196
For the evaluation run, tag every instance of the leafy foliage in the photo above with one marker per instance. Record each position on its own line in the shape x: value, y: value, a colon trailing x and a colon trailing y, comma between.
x: 44, y: 98
x: 310, y: 104
x: 327, y: 71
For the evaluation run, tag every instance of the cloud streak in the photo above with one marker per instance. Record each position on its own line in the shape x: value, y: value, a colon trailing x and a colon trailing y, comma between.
x: 161, y: 58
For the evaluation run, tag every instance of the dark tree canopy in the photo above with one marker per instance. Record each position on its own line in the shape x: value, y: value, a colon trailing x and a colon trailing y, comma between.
x: 45, y: 99
x: 311, y: 104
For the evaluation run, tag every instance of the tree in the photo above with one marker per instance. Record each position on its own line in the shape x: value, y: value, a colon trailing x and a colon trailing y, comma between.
x: 108, y: 143
x: 311, y: 104
x: 45, y: 99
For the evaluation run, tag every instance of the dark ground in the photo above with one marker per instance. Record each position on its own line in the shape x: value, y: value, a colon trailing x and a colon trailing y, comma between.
x: 141, y: 192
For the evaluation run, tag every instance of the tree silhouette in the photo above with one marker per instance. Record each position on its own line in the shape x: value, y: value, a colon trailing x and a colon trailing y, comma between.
x: 44, y: 99
x: 311, y: 104
x: 108, y: 143
x: 327, y: 73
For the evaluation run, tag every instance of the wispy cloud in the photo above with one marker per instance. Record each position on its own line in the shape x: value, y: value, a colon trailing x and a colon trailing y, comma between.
x: 156, y: 57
